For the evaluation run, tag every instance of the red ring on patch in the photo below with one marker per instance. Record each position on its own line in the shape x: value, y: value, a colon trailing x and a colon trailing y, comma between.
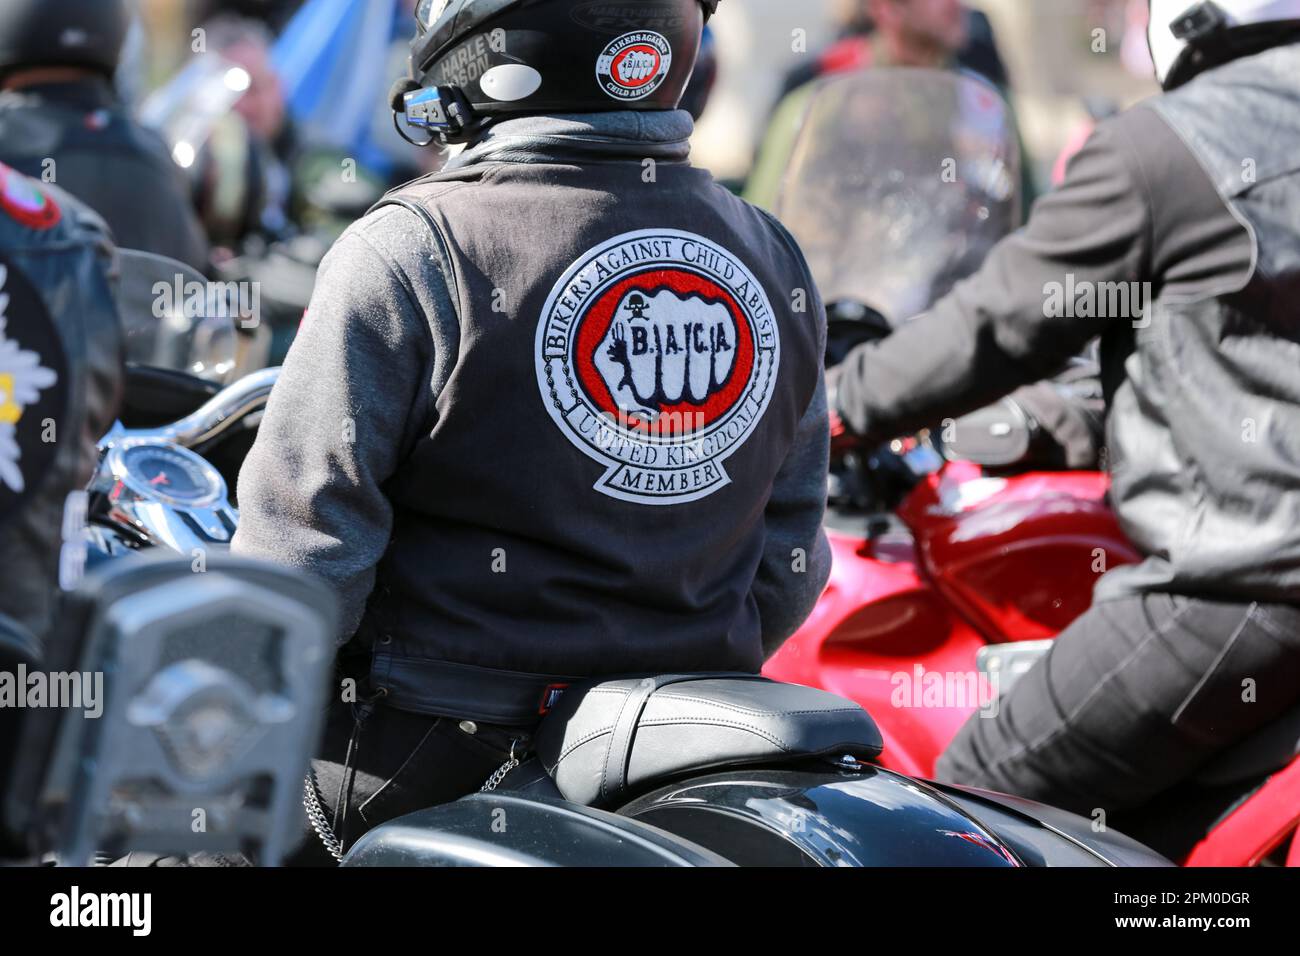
x: 595, y: 323
x: 615, y: 68
x: 26, y: 203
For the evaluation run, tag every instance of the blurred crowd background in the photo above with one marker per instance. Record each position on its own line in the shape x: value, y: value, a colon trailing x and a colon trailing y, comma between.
x: 1065, y: 60
x: 263, y: 103
x: 1058, y: 66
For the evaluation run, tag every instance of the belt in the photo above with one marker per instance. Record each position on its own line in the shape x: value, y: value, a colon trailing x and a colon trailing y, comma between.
x: 464, y: 691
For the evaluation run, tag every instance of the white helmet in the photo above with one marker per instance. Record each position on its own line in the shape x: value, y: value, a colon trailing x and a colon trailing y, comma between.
x: 1181, y: 30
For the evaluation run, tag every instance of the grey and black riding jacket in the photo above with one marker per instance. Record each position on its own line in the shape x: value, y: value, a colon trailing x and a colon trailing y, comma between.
x: 1178, y: 228
x: 555, y: 412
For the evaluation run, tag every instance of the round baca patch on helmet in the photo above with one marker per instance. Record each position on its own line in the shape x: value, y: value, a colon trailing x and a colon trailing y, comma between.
x: 33, y: 389
x: 635, y: 65
x: 657, y: 356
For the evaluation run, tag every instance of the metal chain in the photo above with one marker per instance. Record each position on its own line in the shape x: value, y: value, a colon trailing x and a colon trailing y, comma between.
x: 499, y: 774
x: 318, y: 819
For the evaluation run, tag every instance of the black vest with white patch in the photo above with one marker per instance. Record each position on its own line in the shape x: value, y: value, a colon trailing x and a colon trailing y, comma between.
x: 635, y: 358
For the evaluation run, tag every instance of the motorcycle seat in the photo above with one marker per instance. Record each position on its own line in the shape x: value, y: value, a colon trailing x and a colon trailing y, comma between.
x: 603, y: 741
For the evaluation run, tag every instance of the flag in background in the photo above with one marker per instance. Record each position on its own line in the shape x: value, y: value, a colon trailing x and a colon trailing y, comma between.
x: 334, y: 60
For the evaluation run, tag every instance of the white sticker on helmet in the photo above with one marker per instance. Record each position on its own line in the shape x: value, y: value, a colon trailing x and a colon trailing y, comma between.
x: 510, y: 82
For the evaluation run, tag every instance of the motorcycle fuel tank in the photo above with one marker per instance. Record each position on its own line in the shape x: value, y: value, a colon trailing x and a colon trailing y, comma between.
x: 1017, y: 556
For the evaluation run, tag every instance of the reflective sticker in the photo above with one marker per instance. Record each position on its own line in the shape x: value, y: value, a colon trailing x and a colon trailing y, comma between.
x: 634, y: 65
x: 33, y: 389
x: 657, y: 356
x: 510, y: 82
x: 26, y: 203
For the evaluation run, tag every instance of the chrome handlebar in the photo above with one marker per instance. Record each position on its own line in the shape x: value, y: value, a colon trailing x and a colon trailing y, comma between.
x: 216, y: 416
x: 225, y: 409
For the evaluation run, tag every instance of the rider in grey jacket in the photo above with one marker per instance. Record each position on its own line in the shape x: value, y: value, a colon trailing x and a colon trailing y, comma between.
x: 1176, y: 239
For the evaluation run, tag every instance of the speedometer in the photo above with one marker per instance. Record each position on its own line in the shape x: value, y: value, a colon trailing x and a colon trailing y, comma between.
x: 170, y: 474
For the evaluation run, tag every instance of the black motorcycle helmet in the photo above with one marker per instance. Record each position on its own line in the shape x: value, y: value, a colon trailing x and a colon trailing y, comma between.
x: 83, y: 33
x: 700, y: 89
x: 473, y: 61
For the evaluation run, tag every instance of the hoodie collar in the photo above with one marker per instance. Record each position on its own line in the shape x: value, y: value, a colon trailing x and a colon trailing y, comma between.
x: 662, y: 135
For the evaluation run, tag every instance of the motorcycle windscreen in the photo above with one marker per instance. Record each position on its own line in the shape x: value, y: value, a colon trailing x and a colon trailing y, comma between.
x: 174, y: 319
x: 899, y: 184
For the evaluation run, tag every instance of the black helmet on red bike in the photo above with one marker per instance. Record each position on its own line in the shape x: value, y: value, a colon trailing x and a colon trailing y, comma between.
x: 473, y: 61
x: 82, y: 33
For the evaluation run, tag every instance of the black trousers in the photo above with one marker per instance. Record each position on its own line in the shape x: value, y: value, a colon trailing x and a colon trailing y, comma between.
x: 1132, y: 699
x: 377, y: 763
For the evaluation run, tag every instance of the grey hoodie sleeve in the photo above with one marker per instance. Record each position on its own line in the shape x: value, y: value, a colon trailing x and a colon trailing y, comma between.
x: 797, y: 558
x: 338, y: 422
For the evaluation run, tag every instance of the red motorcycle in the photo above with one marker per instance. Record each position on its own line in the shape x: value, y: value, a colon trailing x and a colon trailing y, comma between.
x: 957, y: 561
x: 929, y: 614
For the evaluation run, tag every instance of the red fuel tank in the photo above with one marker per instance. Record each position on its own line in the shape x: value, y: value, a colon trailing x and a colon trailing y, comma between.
x: 1017, y: 556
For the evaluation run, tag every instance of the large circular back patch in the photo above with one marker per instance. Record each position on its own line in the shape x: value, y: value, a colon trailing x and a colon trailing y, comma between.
x: 657, y: 355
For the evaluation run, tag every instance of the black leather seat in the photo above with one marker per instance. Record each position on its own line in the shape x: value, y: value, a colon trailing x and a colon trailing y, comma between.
x: 604, y: 741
